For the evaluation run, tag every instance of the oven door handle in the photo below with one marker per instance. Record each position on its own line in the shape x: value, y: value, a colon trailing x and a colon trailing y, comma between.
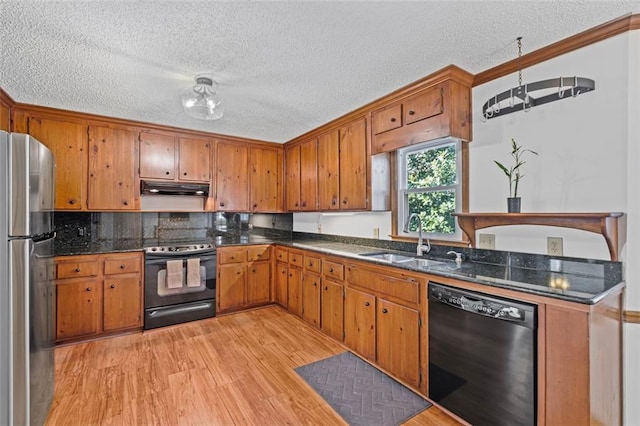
x: 159, y: 261
x: 173, y: 310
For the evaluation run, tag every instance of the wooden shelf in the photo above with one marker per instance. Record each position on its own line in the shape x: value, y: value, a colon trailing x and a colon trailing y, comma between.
x: 605, y: 224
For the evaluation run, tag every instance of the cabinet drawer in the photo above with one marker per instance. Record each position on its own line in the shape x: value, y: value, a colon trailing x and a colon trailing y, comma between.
x: 295, y: 259
x: 124, y: 265
x: 282, y: 255
x: 402, y: 287
x: 312, y: 264
x: 425, y: 104
x: 333, y: 270
x: 387, y: 119
x: 86, y: 268
x: 255, y: 254
x: 231, y: 256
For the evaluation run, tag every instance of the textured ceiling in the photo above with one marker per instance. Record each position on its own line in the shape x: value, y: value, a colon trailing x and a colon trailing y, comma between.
x: 283, y: 68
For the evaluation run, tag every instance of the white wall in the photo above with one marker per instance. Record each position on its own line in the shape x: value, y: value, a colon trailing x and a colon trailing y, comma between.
x: 631, y: 253
x: 349, y: 224
x: 582, y: 147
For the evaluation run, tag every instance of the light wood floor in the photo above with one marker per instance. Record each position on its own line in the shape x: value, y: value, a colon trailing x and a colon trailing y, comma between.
x: 230, y: 370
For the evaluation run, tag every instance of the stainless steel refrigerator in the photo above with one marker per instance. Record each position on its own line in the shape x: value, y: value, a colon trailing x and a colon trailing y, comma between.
x: 27, y: 292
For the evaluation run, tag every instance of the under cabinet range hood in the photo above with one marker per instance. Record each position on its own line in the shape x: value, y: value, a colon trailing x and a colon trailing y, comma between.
x: 150, y: 187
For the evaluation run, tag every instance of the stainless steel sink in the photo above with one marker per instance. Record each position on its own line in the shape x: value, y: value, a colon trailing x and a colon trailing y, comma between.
x: 389, y: 257
x: 423, y: 263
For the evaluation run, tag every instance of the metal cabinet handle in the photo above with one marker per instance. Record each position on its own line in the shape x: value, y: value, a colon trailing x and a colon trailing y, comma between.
x: 411, y: 112
x: 72, y: 202
x: 326, y: 288
x: 122, y: 266
x: 315, y: 284
x: 77, y: 269
x: 167, y: 173
x: 88, y: 288
x: 384, y: 311
x: 331, y: 270
x: 393, y: 120
x: 184, y: 174
x: 221, y: 204
x: 126, y: 203
x: 113, y: 286
x: 366, y: 303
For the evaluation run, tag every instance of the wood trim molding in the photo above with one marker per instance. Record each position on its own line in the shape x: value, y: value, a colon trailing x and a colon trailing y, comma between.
x: 631, y: 317
x: 5, y: 99
x: 593, y: 35
x: 121, y: 122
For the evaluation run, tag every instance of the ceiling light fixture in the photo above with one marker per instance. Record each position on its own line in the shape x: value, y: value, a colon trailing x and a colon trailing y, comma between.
x: 201, y: 101
x: 549, y: 90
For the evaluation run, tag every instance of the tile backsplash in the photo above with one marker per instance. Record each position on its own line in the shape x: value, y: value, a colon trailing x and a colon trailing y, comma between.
x: 84, y: 228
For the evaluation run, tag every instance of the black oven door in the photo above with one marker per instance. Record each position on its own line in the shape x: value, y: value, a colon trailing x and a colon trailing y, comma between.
x: 167, y: 304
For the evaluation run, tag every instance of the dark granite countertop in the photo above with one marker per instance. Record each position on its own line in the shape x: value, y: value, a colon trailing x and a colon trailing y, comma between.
x: 582, y: 281
x: 574, y: 280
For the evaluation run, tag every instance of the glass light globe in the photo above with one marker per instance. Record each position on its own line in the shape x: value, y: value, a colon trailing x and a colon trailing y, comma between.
x: 201, y: 101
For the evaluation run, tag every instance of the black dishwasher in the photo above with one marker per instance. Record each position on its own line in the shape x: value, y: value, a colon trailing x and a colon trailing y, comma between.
x: 482, y: 356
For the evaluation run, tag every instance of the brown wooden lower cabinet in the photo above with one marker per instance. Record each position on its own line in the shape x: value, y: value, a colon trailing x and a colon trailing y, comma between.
x: 244, y: 277
x: 294, y: 289
x: 332, y: 309
x: 98, y: 294
x: 360, y: 322
x: 281, y: 283
x: 311, y: 298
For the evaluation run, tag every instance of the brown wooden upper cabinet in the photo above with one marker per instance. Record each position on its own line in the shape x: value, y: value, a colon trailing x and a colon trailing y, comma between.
x: 439, y: 110
x: 232, y: 183
x: 67, y: 140
x: 170, y: 157
x: 112, y: 169
x: 329, y: 172
x: 5, y: 117
x: 265, y: 186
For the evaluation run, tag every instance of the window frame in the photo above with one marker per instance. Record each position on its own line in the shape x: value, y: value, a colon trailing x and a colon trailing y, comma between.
x: 460, y: 187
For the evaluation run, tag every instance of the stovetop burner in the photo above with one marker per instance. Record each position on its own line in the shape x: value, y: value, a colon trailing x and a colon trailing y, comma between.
x: 191, y: 248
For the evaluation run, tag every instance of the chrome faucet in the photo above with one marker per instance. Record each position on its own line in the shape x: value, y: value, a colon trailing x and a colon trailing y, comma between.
x: 421, y: 249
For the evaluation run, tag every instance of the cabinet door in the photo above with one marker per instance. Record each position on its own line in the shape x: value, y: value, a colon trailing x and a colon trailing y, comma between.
x: 360, y: 322
x: 294, y: 289
x: 232, y: 191
x: 231, y: 286
x: 353, y: 166
x: 67, y: 141
x: 332, y: 303
x: 122, y: 303
x: 398, y: 346
x: 386, y: 119
x: 309, y: 175
x: 258, y: 283
x: 328, y: 171
x: 111, y: 169
x: 425, y: 104
x: 311, y: 299
x: 157, y: 156
x: 292, y: 182
x: 79, y: 308
x: 194, y: 163
x: 281, y: 287
x: 266, y: 179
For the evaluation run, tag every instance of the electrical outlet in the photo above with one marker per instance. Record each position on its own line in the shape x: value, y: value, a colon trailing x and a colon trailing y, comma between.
x: 319, y: 228
x: 376, y: 233
x: 487, y: 241
x: 554, y: 246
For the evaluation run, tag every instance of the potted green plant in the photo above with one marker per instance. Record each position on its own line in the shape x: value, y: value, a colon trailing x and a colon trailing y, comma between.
x: 514, y: 174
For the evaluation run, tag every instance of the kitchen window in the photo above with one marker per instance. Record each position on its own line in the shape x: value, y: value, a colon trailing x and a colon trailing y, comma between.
x: 430, y: 184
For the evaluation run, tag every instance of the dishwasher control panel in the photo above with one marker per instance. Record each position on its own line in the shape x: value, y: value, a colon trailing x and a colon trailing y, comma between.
x: 482, y: 304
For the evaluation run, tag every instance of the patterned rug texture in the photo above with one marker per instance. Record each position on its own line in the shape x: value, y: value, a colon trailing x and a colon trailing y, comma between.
x: 360, y: 393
